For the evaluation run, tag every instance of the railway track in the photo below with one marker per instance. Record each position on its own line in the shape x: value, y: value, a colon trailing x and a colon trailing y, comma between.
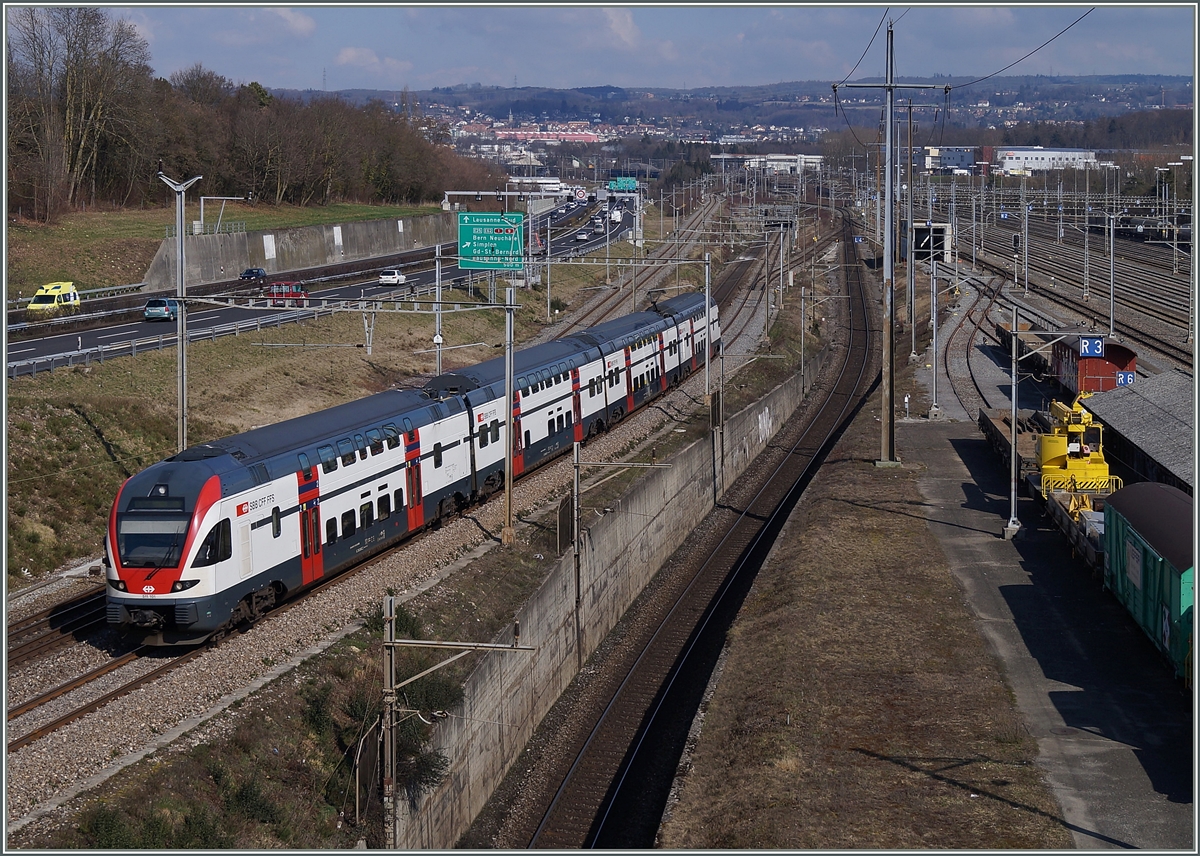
x: 54, y: 627
x: 610, y: 789
x: 175, y: 660
x: 1149, y: 337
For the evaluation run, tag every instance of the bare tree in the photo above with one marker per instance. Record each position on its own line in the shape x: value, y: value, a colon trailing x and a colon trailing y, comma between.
x: 77, y: 79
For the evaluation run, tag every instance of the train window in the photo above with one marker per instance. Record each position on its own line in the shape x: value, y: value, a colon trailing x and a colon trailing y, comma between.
x: 315, y: 517
x: 305, y: 466
x: 385, y: 507
x: 521, y: 384
x: 376, y: 441
x: 362, y: 446
x: 366, y: 514
x: 399, y: 497
x: 217, y: 545
x: 562, y: 423
x: 346, y: 450
x: 347, y: 524
x: 495, y: 430
x: 526, y: 439
x: 437, y: 455
x: 393, y: 435
x: 549, y: 426
x: 330, y: 530
x: 483, y: 437
x: 408, y: 427
x: 276, y: 523
x: 328, y: 459
x: 305, y: 550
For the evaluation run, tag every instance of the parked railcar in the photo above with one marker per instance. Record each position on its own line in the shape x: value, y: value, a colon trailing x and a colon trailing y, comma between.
x: 1052, y: 353
x: 212, y: 537
x: 1077, y: 372
x: 1149, y: 565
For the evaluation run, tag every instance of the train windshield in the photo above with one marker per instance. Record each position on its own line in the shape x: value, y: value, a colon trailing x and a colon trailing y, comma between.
x: 151, y: 540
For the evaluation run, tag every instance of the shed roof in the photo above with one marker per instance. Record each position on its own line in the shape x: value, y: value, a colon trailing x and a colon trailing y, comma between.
x: 1155, y: 414
x: 1162, y: 515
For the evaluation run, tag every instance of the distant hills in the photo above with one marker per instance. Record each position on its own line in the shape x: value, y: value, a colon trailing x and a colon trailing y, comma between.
x: 968, y: 103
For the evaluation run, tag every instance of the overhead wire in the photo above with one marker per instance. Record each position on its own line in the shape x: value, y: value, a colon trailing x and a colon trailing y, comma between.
x: 1028, y: 55
x: 836, y: 99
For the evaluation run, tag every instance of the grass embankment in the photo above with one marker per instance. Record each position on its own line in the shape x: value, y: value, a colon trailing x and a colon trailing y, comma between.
x: 75, y: 435
x: 98, y: 248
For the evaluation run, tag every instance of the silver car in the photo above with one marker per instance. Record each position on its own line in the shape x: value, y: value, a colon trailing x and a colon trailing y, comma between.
x: 161, y: 309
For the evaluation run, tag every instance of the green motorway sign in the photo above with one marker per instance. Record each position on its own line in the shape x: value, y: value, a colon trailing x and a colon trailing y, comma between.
x: 491, y: 241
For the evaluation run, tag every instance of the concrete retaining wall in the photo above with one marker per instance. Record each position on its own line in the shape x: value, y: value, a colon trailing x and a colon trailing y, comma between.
x: 510, y: 692
x: 216, y: 258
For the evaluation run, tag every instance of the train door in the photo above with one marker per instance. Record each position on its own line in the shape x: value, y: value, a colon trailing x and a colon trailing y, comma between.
x: 312, y: 561
x: 576, y: 408
x: 629, y: 403
x: 412, y: 475
x: 246, y: 554
x: 518, y: 447
x: 660, y: 360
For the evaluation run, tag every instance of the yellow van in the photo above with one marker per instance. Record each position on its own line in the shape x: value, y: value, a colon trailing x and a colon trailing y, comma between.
x: 56, y: 298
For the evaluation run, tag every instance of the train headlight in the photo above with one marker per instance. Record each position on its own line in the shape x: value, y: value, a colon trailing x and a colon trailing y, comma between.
x: 183, y: 585
x: 119, y: 585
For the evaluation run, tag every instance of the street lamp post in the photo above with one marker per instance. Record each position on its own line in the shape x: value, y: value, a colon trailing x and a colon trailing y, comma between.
x: 180, y: 189
x: 1175, y: 218
x: 1112, y: 278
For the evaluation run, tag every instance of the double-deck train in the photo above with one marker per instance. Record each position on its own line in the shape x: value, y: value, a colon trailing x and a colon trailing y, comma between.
x: 212, y: 537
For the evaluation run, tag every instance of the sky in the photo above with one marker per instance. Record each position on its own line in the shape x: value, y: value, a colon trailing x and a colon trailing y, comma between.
x: 419, y: 47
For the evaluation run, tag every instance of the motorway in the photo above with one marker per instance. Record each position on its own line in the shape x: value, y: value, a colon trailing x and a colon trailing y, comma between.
x: 206, y: 316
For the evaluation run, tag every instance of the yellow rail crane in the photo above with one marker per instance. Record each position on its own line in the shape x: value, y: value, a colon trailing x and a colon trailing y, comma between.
x: 1071, y: 454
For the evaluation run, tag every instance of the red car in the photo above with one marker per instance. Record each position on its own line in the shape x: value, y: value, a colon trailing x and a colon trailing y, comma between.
x: 287, y: 294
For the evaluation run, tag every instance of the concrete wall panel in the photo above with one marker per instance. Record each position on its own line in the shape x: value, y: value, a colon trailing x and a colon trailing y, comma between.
x: 213, y: 258
x: 509, y: 693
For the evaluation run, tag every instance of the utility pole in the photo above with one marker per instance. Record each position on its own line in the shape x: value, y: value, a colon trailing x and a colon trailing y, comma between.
x: 437, y: 285
x: 508, y: 535
x: 180, y: 188
x: 887, y: 415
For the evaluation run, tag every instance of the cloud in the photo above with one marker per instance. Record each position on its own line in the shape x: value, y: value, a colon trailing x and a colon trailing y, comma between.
x: 620, y: 24
x: 387, y: 69
x: 296, y: 23
x: 358, y: 57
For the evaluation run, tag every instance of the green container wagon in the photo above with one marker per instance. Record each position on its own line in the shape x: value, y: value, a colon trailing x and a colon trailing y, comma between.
x: 1149, y: 565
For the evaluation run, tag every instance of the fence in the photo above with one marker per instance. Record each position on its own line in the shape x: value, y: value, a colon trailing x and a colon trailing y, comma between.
x: 98, y: 354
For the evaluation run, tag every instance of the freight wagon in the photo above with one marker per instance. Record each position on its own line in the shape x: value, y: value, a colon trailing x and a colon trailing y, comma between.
x: 1150, y: 567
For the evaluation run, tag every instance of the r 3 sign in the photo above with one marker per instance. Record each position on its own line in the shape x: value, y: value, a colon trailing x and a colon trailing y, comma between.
x: 1091, y: 346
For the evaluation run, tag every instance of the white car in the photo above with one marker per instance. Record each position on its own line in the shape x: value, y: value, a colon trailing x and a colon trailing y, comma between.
x: 391, y: 277
x: 582, y: 236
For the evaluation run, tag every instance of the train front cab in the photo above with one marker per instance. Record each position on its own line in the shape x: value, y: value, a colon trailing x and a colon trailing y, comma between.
x: 178, y: 555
